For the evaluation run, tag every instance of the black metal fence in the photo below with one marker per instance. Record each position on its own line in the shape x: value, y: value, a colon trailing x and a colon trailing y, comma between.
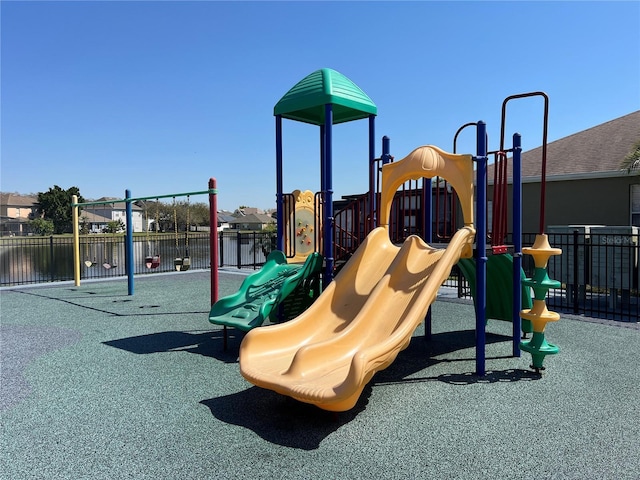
x: 598, y: 272
x: 29, y: 260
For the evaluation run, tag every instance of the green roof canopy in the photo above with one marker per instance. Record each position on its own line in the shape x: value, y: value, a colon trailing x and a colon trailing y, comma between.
x: 305, y: 102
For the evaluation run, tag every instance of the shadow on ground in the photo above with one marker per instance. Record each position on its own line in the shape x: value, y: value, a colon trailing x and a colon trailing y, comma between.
x: 447, y: 347
x: 281, y: 420
x: 209, y: 343
x: 284, y: 421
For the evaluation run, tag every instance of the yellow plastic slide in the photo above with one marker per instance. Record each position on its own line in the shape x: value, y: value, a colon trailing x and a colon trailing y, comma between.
x: 367, y: 315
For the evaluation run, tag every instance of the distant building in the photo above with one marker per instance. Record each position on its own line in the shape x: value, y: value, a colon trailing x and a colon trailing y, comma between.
x: 16, y: 211
x: 224, y: 220
x: 98, y: 216
x: 241, y: 212
x: 253, y: 221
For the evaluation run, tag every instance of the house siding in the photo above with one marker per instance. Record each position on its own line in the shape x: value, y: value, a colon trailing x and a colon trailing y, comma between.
x: 601, y: 201
x: 604, y: 201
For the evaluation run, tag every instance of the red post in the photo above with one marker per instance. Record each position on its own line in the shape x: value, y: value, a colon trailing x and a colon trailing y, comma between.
x: 213, y: 238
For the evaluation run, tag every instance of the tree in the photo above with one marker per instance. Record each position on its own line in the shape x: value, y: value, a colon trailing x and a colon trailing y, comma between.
x: 632, y: 160
x: 42, y: 226
x: 84, y: 225
x: 199, y: 214
x: 55, y: 205
x: 115, y: 226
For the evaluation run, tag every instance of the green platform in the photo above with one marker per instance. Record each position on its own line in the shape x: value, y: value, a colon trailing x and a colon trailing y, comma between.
x: 263, y: 292
x: 499, y: 287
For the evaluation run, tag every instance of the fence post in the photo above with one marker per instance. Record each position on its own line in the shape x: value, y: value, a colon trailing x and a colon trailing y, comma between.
x: 221, y: 248
x: 52, y: 269
x: 575, y: 272
x: 238, y: 249
x: 254, y: 249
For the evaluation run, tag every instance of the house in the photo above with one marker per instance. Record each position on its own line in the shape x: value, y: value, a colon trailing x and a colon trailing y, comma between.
x: 224, y: 220
x: 98, y: 216
x: 15, y: 212
x: 91, y: 222
x: 585, y: 184
x: 242, y: 211
x: 253, y: 221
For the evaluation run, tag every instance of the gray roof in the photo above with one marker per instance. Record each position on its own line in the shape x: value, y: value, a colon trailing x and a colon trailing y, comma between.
x: 93, y: 217
x: 226, y: 218
x: 17, y: 200
x: 597, y: 150
x: 254, y: 218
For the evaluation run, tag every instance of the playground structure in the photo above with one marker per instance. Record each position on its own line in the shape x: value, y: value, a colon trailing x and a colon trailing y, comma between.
x: 367, y: 315
x: 364, y: 318
x: 323, y: 98
x: 284, y: 287
x: 328, y: 365
x: 305, y: 222
x: 181, y: 262
x: 263, y: 293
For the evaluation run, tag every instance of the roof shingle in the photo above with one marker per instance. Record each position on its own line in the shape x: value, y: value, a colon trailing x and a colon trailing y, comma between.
x: 598, y: 149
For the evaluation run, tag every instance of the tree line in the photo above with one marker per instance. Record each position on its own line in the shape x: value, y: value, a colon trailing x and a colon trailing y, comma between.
x: 53, y: 214
x: 163, y: 216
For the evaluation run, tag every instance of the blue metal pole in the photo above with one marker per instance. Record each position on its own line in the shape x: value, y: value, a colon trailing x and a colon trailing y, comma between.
x: 481, y: 247
x: 386, y: 150
x: 279, y: 188
x: 323, y: 166
x: 372, y: 174
x: 328, y: 196
x: 427, y: 214
x: 129, y: 255
x: 517, y: 241
x: 386, y: 158
x: 427, y: 218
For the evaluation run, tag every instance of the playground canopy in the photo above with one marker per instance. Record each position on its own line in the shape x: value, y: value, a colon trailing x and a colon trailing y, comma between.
x: 306, y: 100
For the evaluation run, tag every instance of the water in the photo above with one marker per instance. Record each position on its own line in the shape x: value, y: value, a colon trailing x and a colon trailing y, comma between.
x: 26, y: 260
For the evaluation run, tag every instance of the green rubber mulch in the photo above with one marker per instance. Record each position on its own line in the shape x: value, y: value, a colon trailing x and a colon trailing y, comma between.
x: 99, y: 385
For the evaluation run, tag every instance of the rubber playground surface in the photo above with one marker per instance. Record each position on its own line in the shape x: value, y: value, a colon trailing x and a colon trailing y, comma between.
x: 100, y: 385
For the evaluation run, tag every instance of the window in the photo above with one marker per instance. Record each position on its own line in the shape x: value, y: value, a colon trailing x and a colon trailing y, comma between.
x: 635, y: 205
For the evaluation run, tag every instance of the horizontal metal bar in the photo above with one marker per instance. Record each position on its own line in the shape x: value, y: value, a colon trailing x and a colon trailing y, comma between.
x: 101, y: 202
x: 212, y: 191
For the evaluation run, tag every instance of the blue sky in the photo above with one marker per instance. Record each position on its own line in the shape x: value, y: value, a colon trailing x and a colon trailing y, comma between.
x: 157, y: 97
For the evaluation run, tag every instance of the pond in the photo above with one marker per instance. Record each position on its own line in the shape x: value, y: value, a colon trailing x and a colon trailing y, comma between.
x: 25, y: 260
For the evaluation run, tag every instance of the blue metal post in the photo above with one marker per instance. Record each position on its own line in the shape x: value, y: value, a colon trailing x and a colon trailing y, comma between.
x: 517, y: 241
x: 386, y: 158
x: 129, y: 255
x: 481, y: 247
x: 427, y: 218
x: 372, y: 174
x: 279, y: 188
x: 328, y: 196
x: 386, y: 150
x: 323, y: 166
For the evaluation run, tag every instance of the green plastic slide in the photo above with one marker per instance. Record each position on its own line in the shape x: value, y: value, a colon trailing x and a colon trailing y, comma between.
x: 499, y: 287
x: 263, y: 291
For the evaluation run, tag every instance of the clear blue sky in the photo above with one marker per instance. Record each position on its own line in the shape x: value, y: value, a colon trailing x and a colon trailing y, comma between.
x: 159, y: 96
